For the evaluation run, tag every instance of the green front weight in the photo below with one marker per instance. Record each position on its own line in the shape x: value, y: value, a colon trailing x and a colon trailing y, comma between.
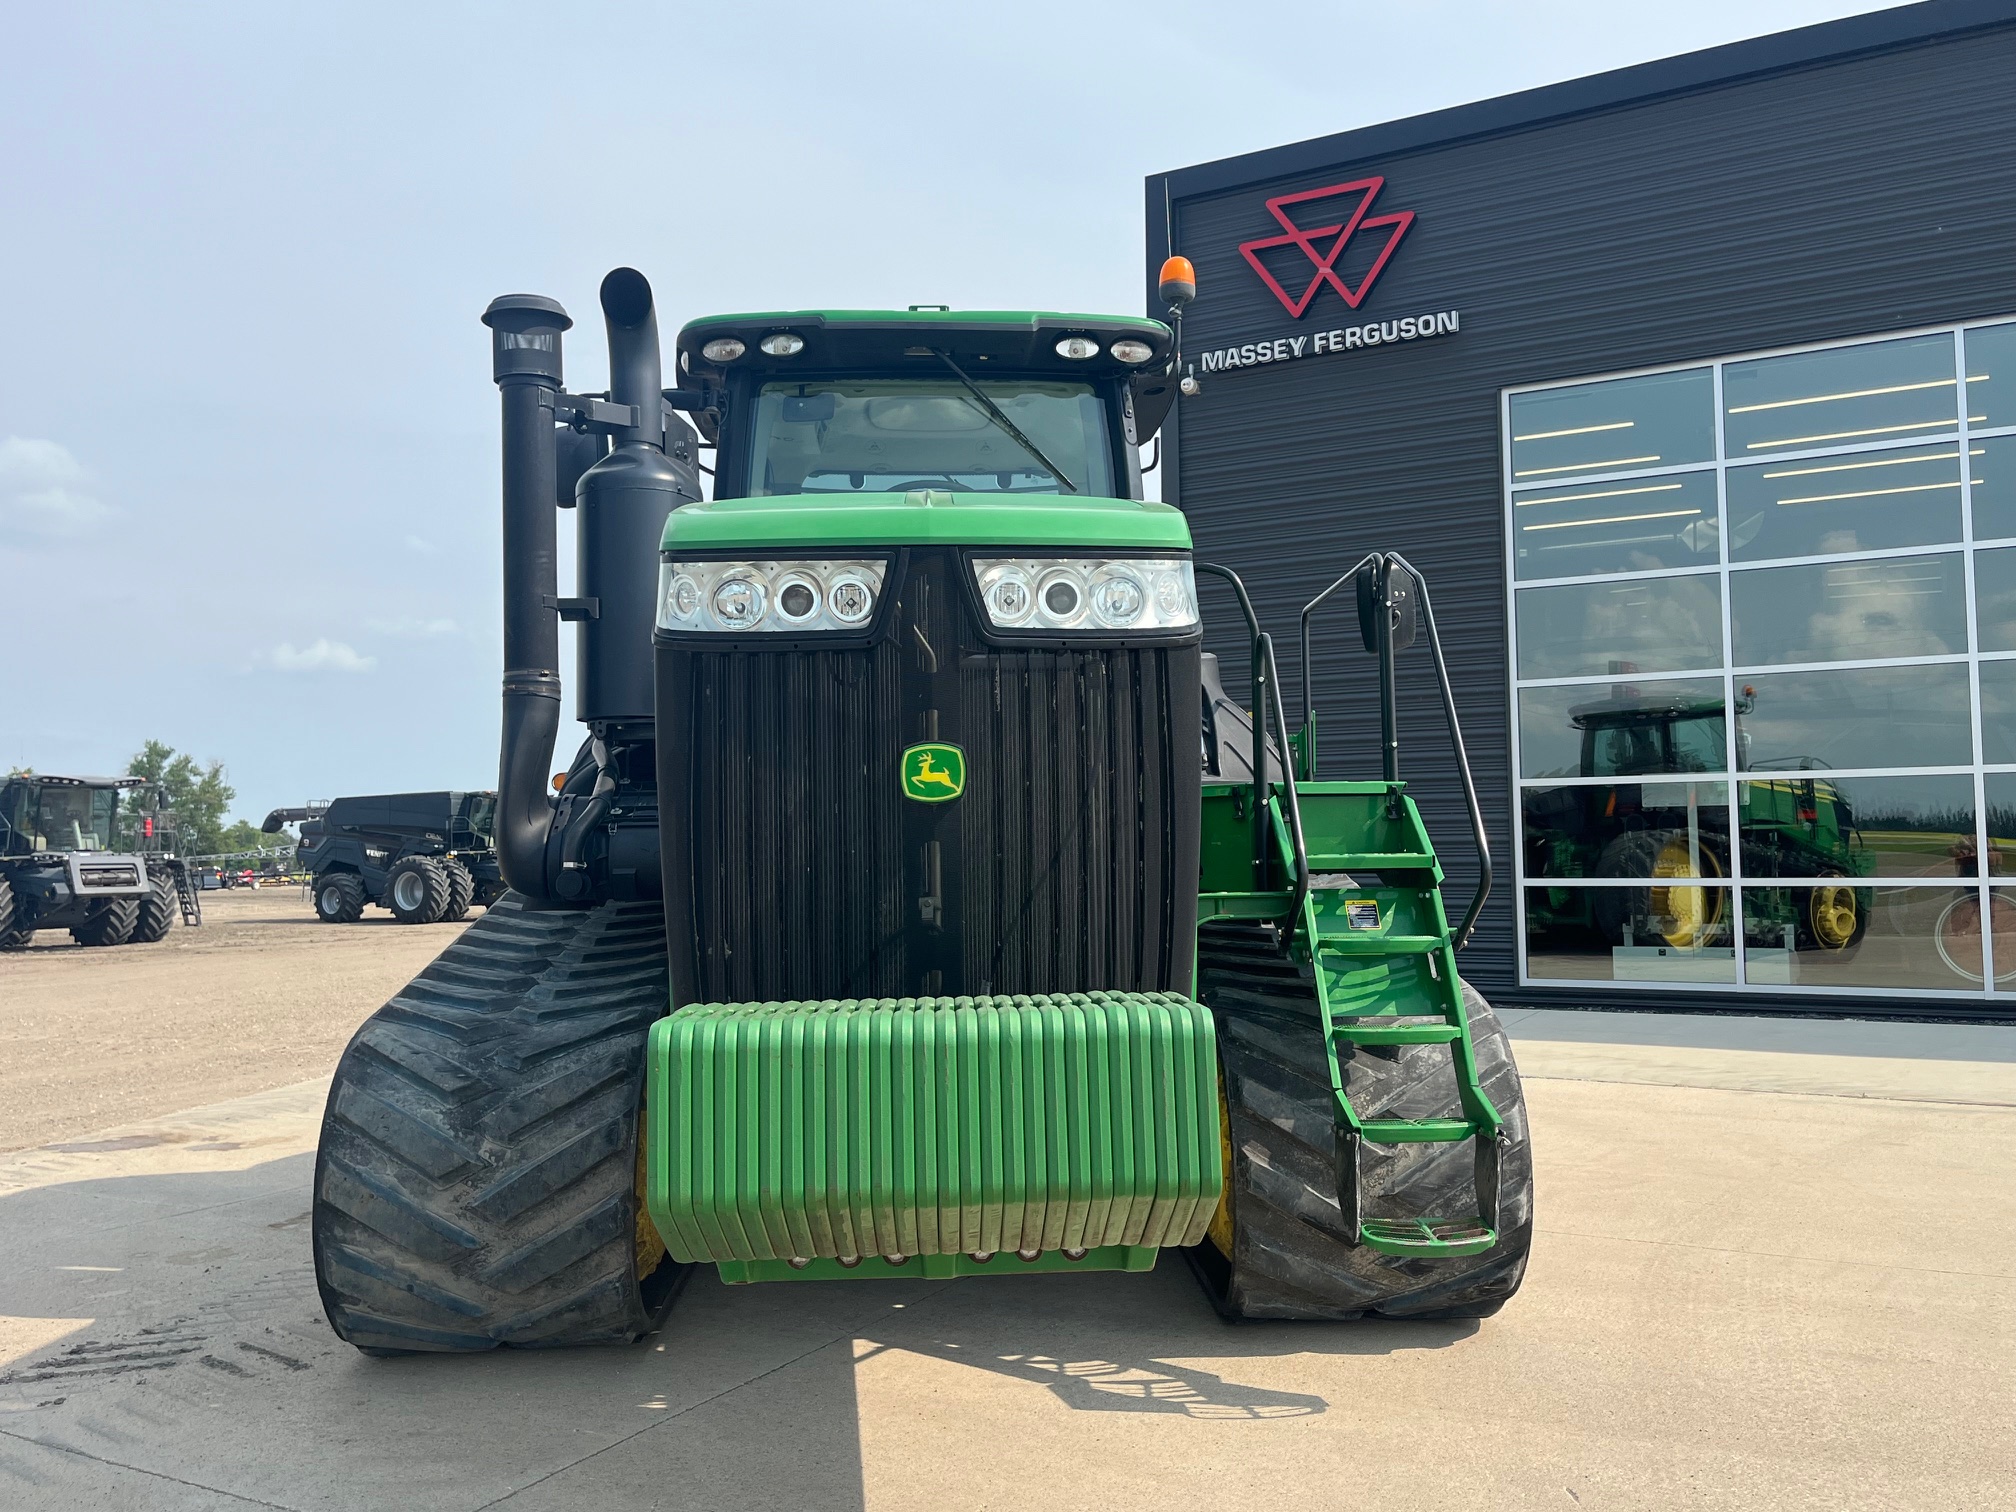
x: 925, y: 1127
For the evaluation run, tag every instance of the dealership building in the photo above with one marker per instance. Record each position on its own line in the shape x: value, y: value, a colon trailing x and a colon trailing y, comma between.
x: 1691, y: 390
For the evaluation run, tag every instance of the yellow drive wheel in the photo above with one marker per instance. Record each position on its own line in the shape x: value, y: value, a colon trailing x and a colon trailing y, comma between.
x: 1693, y: 914
x: 1833, y: 915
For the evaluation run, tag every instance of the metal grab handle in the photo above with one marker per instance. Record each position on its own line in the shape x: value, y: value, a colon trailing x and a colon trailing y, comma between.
x: 1258, y: 717
x: 1483, y: 842
x: 1263, y: 651
x: 1308, y: 688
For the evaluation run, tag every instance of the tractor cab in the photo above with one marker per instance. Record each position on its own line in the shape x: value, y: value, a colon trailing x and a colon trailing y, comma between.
x: 853, y: 403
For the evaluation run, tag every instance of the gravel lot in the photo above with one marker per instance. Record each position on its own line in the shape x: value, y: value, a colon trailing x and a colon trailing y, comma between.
x: 261, y: 995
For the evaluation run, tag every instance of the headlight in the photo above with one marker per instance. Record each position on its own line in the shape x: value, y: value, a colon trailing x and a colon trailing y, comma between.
x: 723, y: 349
x: 782, y: 344
x: 1135, y: 352
x: 1077, y: 348
x: 1089, y: 594
x: 746, y: 597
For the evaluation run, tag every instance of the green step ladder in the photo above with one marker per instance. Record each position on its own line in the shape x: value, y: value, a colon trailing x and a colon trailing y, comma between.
x: 1307, y: 881
x: 1351, y: 933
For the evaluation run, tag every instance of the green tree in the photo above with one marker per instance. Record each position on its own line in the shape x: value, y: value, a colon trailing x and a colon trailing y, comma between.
x: 197, y: 795
x: 244, y: 835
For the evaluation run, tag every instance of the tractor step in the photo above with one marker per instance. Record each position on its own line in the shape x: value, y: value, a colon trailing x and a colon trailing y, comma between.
x: 1426, y: 1237
x: 1416, y: 1130
x: 1368, y: 943
x: 1397, y: 1034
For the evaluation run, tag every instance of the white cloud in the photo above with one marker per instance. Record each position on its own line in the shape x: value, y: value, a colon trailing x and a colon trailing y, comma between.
x: 322, y: 655
x: 406, y: 627
x: 42, y: 492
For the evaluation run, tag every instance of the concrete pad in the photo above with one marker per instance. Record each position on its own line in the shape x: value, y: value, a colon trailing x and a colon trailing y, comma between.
x: 1738, y: 1299
x: 1919, y: 1062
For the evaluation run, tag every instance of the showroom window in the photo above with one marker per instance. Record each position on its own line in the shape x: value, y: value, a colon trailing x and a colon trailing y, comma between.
x: 1763, y: 621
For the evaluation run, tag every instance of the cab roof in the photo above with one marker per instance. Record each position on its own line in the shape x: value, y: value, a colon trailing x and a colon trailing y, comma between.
x: 980, y: 341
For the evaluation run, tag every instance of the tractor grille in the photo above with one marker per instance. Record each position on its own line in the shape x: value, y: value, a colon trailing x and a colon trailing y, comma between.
x: 795, y: 869
x: 108, y: 876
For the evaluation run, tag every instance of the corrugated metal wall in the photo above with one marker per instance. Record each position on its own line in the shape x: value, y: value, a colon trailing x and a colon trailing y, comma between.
x: 1842, y: 199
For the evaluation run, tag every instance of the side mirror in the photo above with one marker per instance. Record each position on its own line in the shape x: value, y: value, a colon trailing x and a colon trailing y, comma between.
x: 1378, y: 581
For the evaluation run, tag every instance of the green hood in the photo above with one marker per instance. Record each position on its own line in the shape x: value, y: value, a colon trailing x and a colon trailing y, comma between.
x: 928, y: 516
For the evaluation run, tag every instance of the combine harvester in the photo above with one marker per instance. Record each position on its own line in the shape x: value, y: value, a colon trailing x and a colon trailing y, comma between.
x: 885, y: 925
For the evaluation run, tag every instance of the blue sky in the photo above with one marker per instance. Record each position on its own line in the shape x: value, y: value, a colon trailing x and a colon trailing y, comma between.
x: 248, y: 475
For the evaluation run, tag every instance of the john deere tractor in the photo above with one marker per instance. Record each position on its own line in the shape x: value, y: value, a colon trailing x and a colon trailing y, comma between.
x: 1656, y: 824
x: 908, y: 911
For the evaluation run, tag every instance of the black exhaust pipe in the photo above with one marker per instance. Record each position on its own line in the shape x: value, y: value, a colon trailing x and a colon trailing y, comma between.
x: 525, y: 332
x: 621, y: 504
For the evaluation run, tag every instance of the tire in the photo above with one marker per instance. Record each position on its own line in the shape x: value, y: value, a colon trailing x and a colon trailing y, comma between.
x: 461, y: 891
x: 1286, y: 1254
x: 1655, y: 913
x: 111, y: 921
x: 416, y: 890
x: 477, y: 1181
x: 158, y: 912
x: 13, y: 935
x: 339, y: 897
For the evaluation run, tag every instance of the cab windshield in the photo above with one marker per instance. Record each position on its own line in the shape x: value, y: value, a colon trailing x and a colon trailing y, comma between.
x: 893, y: 435
x: 68, y: 819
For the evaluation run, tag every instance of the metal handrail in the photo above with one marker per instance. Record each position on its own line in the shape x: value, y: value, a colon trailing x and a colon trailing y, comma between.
x: 1308, y: 686
x: 1263, y: 651
x: 1483, y: 842
x: 1258, y: 716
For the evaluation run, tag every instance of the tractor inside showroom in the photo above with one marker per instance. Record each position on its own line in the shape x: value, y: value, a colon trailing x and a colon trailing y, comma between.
x: 909, y: 911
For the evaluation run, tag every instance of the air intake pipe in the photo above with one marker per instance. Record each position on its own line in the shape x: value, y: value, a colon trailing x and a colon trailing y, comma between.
x: 525, y: 332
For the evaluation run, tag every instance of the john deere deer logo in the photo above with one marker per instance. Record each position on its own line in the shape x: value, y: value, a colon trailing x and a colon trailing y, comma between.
x: 934, y: 773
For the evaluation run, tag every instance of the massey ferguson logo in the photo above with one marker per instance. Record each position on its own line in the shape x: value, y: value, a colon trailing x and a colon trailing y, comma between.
x: 1346, y: 253
x: 1323, y: 246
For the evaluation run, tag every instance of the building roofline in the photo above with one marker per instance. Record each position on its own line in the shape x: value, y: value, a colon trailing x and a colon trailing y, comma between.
x: 1828, y: 41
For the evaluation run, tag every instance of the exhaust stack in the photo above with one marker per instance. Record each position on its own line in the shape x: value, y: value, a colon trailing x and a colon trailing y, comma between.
x: 621, y: 504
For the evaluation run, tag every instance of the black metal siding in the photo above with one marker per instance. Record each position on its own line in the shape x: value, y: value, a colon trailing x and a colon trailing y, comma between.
x: 1839, y: 200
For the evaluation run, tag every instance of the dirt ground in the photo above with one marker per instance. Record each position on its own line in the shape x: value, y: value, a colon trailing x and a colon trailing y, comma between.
x: 261, y: 995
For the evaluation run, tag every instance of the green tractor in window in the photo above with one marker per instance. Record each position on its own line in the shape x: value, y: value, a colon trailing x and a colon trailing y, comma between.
x: 906, y: 911
x: 1651, y: 824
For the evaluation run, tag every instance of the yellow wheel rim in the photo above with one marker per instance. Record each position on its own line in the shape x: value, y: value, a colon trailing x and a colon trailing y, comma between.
x: 1220, y: 1232
x: 1832, y: 913
x: 650, y: 1247
x: 1693, y: 914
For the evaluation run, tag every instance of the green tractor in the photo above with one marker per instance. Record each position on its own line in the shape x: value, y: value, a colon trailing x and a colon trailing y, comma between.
x: 1790, y: 823
x: 889, y: 922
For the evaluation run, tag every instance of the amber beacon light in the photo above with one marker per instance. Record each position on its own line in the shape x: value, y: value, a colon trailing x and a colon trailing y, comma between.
x: 1179, y: 281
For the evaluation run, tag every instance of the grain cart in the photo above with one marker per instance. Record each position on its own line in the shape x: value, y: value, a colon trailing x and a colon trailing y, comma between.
x: 425, y: 857
x: 69, y: 859
x: 890, y: 922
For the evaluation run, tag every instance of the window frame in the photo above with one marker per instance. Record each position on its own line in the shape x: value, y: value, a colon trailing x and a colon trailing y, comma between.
x: 1985, y: 883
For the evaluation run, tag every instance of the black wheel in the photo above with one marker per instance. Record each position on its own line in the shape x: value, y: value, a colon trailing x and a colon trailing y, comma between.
x: 110, y: 921
x: 479, y: 1172
x: 416, y: 890
x: 1278, y: 1247
x: 14, y: 935
x: 339, y: 897
x: 158, y: 912
x: 461, y: 891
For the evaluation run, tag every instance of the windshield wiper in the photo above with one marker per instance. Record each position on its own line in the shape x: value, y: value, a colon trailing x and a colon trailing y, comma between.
x: 1001, y: 419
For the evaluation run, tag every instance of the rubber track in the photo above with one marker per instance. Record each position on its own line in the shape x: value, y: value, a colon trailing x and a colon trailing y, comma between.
x: 1290, y: 1258
x: 475, y: 1185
